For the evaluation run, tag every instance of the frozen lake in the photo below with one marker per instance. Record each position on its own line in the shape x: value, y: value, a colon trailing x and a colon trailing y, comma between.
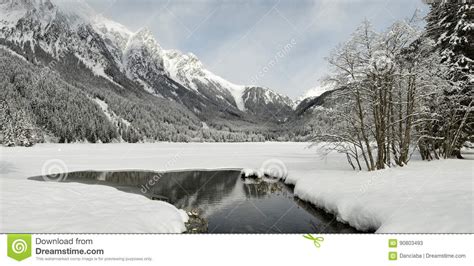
x: 423, y: 197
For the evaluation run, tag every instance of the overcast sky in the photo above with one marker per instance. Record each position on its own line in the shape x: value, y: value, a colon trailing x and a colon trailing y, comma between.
x: 238, y: 39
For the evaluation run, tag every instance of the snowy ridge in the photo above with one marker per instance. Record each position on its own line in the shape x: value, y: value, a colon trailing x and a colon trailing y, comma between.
x: 58, y: 29
x: 11, y: 12
x: 116, y: 33
x: 317, y: 91
x: 184, y: 68
x: 266, y: 96
x: 142, y: 55
x: 235, y: 90
x: 12, y: 52
x: 62, y: 27
x: 188, y: 70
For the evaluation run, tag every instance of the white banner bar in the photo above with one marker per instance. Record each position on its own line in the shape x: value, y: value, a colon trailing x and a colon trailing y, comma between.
x: 226, y: 249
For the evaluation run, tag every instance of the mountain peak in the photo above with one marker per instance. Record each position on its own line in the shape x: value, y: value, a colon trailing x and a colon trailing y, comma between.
x: 25, y: 4
x: 75, y: 8
x: 13, y: 10
x: 318, y: 90
x: 144, y: 33
x: 43, y: 11
x: 144, y: 37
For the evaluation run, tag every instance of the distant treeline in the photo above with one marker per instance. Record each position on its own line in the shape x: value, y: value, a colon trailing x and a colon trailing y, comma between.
x: 38, y: 105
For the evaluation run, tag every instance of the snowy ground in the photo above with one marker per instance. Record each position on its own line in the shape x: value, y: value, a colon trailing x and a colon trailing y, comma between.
x: 424, y: 197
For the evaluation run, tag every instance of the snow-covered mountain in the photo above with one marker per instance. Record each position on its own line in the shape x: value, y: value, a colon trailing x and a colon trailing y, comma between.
x: 267, y: 104
x: 190, y: 72
x: 257, y: 101
x: 317, y: 91
x: 314, y: 98
x: 46, y: 30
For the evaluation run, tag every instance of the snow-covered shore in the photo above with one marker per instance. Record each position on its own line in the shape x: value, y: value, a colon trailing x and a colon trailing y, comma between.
x: 433, y: 197
x: 52, y: 207
x: 424, y: 197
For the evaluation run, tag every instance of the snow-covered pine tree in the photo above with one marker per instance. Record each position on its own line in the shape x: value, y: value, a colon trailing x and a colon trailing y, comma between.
x: 4, y: 121
x: 7, y: 128
x: 450, y: 24
x: 24, y: 129
x: 19, y: 131
x: 16, y: 128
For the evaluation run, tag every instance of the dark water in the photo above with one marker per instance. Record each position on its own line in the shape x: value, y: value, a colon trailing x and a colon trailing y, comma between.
x: 229, y: 203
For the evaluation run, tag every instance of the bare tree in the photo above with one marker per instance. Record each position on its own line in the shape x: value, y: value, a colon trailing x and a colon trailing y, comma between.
x: 388, y: 78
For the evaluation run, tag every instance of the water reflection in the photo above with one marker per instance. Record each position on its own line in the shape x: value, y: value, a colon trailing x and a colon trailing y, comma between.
x: 229, y: 203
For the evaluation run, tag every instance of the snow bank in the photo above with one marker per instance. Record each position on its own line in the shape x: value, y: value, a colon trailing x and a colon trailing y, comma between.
x: 47, y: 207
x: 425, y: 197
x: 53, y: 207
x: 251, y: 173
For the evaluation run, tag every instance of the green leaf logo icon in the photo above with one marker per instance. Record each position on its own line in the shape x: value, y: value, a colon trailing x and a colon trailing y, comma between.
x: 19, y: 246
